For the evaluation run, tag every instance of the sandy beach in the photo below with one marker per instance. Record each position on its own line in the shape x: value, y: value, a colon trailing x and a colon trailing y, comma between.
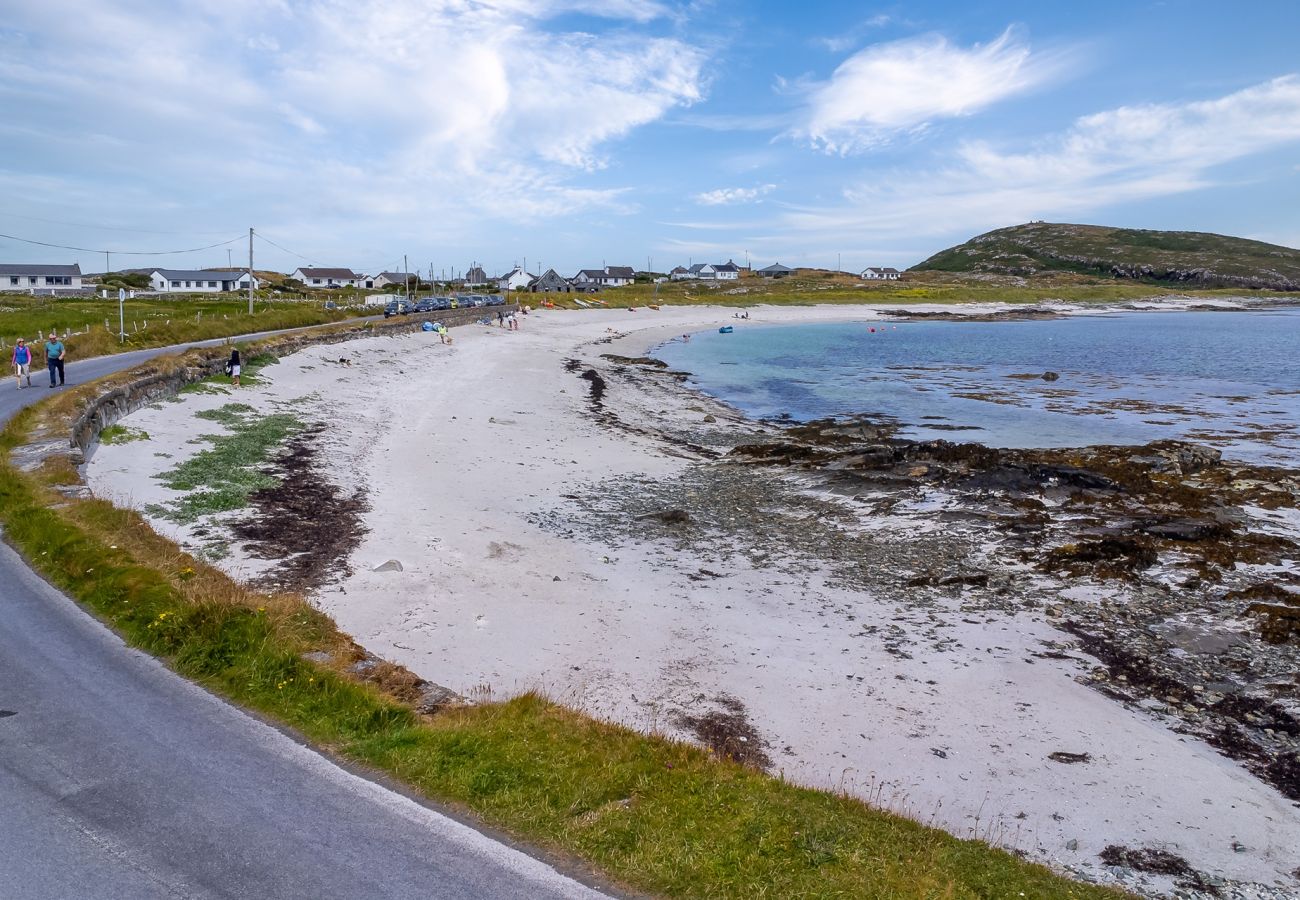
x: 535, y: 554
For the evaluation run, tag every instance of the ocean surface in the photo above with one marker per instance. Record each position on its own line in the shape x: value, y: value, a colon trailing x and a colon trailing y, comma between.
x: 1228, y: 379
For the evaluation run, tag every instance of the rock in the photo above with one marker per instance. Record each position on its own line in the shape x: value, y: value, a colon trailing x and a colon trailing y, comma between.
x: 1050, y: 376
x: 1278, y: 623
x: 1071, y: 844
x: 1063, y: 756
x: 1187, y: 529
x: 710, y: 419
x: 391, y: 566
x: 669, y: 516
x: 434, y: 698
x: 316, y: 656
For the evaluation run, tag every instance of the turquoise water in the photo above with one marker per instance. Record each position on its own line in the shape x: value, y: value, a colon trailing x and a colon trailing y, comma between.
x: 1230, y: 379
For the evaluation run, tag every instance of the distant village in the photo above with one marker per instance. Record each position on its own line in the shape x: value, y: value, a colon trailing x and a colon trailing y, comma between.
x: 60, y: 280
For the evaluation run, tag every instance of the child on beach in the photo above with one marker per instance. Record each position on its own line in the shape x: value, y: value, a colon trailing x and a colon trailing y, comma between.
x: 22, y: 361
x: 233, y: 367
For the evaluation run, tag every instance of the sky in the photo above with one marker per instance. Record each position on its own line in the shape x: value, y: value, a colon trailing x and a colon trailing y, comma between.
x: 577, y: 133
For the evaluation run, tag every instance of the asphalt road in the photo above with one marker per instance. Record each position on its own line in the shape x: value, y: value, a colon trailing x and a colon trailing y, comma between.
x: 118, y: 779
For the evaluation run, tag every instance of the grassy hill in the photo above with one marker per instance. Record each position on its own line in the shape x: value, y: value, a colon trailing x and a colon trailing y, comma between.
x: 1188, y: 258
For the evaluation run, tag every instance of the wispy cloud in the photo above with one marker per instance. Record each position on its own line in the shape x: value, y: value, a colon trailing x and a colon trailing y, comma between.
x: 730, y: 196
x: 897, y: 87
x: 849, y: 38
x: 1121, y: 155
x: 397, y: 107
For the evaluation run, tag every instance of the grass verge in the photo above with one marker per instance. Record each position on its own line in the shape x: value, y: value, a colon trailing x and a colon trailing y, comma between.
x: 656, y: 815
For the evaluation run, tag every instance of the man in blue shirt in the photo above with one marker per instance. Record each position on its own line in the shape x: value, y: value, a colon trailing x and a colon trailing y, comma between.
x: 54, y: 353
x: 22, y: 363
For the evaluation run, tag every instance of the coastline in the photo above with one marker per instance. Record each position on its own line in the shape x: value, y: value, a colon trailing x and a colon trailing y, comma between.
x: 495, y: 501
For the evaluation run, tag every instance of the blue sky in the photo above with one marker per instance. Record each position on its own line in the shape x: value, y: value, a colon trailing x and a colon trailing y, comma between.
x: 575, y: 132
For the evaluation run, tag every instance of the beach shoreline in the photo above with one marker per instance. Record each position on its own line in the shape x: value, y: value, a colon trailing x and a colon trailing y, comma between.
x: 508, y: 492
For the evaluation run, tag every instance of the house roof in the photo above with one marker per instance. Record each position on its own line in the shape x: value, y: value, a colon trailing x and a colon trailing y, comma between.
x: 727, y: 266
x: 621, y: 272
x: 698, y: 268
x: 398, y: 276
x: 591, y: 273
x: 775, y: 267
x: 199, y: 274
x: 476, y: 273
x: 30, y: 269
x: 328, y: 273
x: 678, y: 270
x: 885, y: 271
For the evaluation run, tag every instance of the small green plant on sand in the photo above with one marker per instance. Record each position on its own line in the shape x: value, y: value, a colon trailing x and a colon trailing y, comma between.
x: 221, y: 478
x: 120, y: 434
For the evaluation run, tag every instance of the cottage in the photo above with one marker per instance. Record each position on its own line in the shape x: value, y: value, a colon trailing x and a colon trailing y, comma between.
x: 389, y: 279
x: 476, y: 277
x: 727, y: 271
x: 514, y: 280
x: 328, y: 278
x: 199, y: 281
x: 776, y: 270
x: 550, y: 282
x: 679, y: 273
x: 875, y: 274
x: 40, y: 279
x: 610, y: 276
x: 701, y: 270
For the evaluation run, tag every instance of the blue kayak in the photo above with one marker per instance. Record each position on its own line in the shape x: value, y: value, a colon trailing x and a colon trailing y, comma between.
x: 725, y: 329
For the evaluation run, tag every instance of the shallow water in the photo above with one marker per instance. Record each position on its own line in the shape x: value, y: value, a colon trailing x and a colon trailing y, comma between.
x: 1229, y: 379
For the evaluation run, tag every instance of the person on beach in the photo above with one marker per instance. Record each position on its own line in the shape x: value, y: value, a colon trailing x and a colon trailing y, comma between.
x: 54, y: 356
x: 442, y: 334
x: 233, y: 366
x: 22, y: 360
x: 501, y: 318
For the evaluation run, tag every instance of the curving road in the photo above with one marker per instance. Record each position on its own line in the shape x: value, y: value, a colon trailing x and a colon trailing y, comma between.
x: 118, y: 779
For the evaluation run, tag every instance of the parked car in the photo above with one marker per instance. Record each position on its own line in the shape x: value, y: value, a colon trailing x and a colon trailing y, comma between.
x: 398, y: 308
x: 426, y: 305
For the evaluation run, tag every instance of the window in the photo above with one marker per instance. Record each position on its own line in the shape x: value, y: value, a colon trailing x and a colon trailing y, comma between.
x: 32, y: 280
x: 212, y: 284
x: 177, y: 284
x: 13, y: 280
x: 315, y: 281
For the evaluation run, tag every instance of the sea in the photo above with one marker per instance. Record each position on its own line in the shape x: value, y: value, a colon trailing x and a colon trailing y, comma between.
x: 1230, y: 379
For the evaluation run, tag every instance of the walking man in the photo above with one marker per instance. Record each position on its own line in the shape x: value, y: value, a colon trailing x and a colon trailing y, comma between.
x: 23, y: 363
x: 54, y: 353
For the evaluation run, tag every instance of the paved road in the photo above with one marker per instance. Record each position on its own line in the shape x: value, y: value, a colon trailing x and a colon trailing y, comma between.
x: 119, y: 779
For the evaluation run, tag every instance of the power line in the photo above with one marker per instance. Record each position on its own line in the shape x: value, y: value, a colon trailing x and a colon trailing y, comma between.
x: 285, y: 249
x: 119, y: 252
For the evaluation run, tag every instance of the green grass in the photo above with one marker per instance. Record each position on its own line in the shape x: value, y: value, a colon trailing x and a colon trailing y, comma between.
x: 221, y: 478
x: 657, y: 815
x: 120, y: 434
x: 155, y: 322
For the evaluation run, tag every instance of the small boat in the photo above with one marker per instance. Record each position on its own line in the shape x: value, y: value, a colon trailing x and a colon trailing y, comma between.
x: 726, y: 329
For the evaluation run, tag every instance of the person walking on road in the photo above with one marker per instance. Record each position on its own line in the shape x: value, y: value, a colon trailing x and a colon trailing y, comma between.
x: 22, y: 360
x: 233, y: 366
x: 54, y: 356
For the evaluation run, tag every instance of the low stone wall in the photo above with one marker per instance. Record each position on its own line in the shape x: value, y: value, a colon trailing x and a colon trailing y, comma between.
x: 149, y: 388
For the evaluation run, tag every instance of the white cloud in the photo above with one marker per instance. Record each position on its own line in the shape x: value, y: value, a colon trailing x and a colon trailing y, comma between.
x: 728, y: 196
x: 394, y: 108
x: 838, y: 43
x: 1122, y: 155
x: 901, y: 86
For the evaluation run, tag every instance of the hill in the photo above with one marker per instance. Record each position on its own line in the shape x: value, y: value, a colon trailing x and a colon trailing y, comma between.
x: 1189, y: 258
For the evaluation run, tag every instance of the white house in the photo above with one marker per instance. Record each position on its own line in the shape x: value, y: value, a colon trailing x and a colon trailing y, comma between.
x: 701, y: 270
x: 199, y: 281
x: 325, y: 278
x: 727, y: 271
x: 40, y: 279
x: 679, y: 273
x: 514, y: 280
x: 875, y: 274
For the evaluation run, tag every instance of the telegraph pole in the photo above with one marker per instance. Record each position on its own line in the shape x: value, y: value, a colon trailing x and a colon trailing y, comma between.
x: 250, y: 270
x: 406, y: 277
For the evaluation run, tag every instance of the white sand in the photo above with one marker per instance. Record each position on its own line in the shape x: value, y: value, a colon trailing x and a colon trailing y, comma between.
x: 458, y: 446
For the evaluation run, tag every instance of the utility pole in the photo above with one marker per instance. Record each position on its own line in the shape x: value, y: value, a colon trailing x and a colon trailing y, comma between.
x: 108, y: 267
x: 406, y: 277
x: 250, y: 270
x: 230, y: 259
